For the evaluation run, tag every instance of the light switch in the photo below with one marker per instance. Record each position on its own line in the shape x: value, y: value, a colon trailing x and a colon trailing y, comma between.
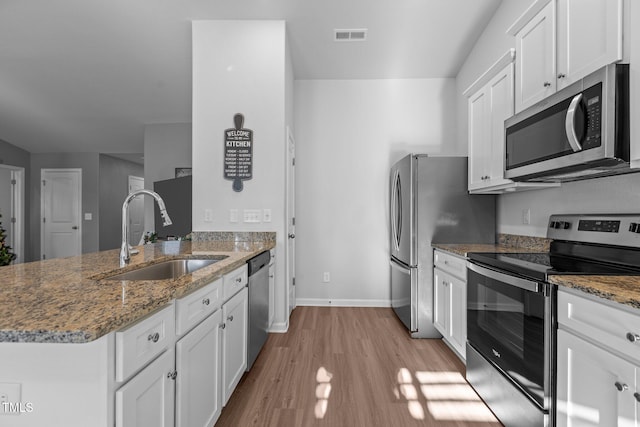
x: 252, y: 215
x: 88, y: 216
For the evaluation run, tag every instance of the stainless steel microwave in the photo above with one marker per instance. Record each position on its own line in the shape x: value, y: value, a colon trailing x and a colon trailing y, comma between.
x: 580, y: 132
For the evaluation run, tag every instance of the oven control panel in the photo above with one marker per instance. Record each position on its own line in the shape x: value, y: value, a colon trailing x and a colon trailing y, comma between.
x: 614, y: 229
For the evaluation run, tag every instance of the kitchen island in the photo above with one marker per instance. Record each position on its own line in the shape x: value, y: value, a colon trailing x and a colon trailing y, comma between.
x: 79, y: 349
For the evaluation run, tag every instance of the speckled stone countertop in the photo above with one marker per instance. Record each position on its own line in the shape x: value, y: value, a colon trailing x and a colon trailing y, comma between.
x: 620, y: 289
x: 68, y: 300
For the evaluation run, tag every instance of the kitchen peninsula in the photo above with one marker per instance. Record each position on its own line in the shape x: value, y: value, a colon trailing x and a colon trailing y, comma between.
x: 74, y: 344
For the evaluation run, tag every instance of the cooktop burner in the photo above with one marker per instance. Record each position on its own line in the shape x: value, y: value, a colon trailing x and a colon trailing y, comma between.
x: 582, y: 244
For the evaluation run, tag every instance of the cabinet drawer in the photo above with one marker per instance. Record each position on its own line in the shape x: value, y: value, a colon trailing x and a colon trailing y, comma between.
x: 196, y: 306
x: 143, y: 341
x: 602, y: 323
x: 450, y: 263
x: 235, y: 281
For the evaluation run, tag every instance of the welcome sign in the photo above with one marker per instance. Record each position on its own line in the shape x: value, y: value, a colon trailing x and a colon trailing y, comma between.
x: 238, y: 153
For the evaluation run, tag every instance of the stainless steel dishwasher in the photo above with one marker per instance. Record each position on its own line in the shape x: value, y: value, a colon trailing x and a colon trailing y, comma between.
x: 258, y: 305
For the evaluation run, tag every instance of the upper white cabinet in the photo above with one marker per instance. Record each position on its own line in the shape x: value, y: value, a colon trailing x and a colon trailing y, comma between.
x: 490, y: 102
x: 561, y: 41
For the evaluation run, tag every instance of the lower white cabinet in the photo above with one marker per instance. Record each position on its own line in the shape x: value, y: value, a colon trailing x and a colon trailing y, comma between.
x: 595, y: 387
x: 235, y: 316
x: 598, y: 369
x: 450, y: 300
x: 147, y: 400
x: 198, y: 385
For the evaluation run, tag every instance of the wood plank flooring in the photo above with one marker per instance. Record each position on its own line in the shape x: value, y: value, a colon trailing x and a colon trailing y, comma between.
x: 340, y: 366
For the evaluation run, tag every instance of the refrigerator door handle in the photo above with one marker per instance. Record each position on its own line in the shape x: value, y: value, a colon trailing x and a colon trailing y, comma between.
x: 396, y: 210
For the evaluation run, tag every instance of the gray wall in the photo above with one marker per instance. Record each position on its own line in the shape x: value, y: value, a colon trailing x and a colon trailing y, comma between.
x: 89, y: 163
x: 114, y: 187
x: 14, y: 156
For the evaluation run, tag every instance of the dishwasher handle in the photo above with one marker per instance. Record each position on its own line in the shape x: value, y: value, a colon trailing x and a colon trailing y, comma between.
x: 258, y: 262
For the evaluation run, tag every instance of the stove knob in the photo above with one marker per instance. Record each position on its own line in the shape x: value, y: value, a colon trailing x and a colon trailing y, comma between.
x: 634, y: 228
x: 566, y: 225
x: 553, y: 225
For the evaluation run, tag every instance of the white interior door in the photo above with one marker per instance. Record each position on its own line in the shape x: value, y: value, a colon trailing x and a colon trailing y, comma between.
x: 136, y: 211
x: 61, y: 201
x: 291, y: 222
x: 12, y: 208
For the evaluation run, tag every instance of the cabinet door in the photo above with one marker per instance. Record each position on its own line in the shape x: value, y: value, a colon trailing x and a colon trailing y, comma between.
x: 535, y: 57
x: 440, y: 302
x: 198, y: 384
x: 589, y: 379
x: 500, y: 90
x: 589, y: 37
x: 147, y: 400
x: 479, y: 138
x: 458, y: 309
x: 234, y: 342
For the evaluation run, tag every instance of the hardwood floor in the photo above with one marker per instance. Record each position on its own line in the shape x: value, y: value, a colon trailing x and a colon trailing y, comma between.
x: 340, y: 366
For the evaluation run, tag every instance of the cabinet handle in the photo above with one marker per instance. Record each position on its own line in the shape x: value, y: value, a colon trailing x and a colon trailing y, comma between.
x: 230, y: 318
x: 153, y: 337
x: 562, y: 76
x: 239, y: 279
x: 637, y: 396
x: 621, y: 387
x: 172, y: 375
x: 206, y: 301
x: 547, y: 84
x: 224, y: 325
x: 633, y: 337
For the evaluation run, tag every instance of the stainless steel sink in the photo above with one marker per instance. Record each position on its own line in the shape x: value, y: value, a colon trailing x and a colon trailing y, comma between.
x: 171, y: 269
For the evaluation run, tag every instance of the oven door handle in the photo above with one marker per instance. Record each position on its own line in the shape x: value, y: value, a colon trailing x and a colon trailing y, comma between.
x: 527, y: 285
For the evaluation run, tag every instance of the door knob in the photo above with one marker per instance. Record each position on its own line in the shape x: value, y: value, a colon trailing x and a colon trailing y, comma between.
x: 292, y: 236
x: 75, y: 227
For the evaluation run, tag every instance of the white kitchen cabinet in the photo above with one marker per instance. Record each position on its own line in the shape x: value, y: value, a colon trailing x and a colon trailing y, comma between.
x: 147, y: 400
x: 198, y: 384
x: 598, y: 364
x: 490, y: 102
x: 450, y: 300
x: 235, y: 314
x: 561, y: 41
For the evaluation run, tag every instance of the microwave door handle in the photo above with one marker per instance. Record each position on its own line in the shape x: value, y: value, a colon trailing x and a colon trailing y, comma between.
x: 569, y: 123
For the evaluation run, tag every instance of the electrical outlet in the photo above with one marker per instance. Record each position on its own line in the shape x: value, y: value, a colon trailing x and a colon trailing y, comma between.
x: 266, y: 215
x: 233, y: 215
x: 326, y: 277
x: 526, y: 216
x: 208, y: 215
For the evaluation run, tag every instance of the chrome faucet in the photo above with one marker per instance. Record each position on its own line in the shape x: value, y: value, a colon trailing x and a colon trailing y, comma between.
x: 125, y: 251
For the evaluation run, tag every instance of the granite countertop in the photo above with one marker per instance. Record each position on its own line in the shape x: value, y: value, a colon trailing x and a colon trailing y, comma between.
x: 68, y: 300
x: 620, y: 289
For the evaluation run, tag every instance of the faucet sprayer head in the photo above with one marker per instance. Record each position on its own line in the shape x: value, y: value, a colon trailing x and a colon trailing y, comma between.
x: 165, y: 218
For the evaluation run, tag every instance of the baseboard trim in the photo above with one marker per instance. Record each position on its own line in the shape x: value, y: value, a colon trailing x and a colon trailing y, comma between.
x: 320, y: 302
x: 279, y: 327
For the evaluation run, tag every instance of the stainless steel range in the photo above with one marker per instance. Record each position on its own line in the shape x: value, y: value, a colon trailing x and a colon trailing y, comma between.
x: 511, y: 311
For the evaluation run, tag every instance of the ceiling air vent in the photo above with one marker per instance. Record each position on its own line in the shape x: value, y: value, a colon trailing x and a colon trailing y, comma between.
x: 350, y: 35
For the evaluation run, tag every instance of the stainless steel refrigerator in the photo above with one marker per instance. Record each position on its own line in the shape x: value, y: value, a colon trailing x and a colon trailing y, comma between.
x: 430, y: 204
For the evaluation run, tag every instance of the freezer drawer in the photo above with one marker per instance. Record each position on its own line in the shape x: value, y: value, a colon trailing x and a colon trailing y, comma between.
x: 404, y: 292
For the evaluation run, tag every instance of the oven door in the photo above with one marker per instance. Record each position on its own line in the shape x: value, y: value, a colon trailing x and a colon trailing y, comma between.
x: 509, y: 324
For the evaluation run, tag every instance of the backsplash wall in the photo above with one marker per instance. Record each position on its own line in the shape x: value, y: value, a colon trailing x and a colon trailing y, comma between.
x: 616, y: 194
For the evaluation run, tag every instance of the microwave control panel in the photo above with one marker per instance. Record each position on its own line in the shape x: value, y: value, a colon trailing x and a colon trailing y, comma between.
x: 592, y: 127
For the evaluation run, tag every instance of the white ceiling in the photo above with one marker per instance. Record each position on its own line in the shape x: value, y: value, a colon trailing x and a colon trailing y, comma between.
x: 87, y: 75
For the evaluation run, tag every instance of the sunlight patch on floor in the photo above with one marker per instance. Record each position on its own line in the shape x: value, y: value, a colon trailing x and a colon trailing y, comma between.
x: 448, y: 396
x: 323, y: 390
